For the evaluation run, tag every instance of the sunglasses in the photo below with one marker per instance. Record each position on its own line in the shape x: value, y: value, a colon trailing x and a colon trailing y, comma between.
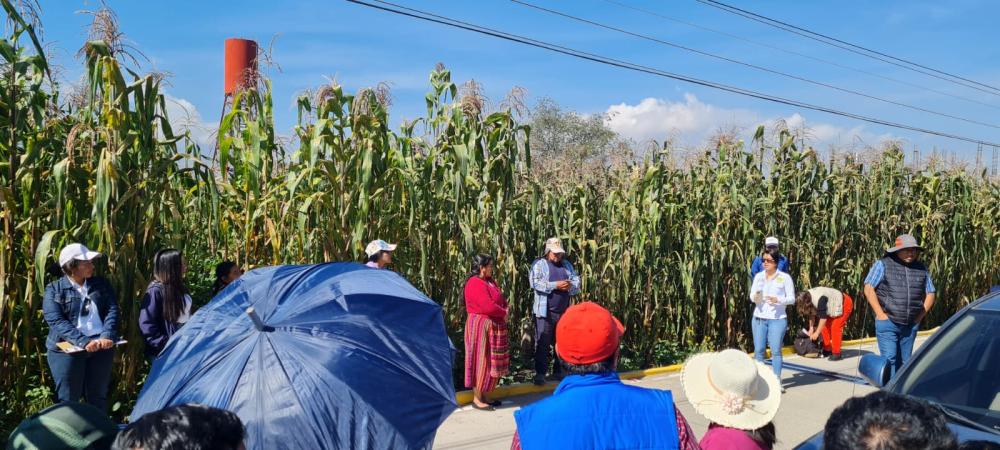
x: 768, y: 260
x: 85, y: 309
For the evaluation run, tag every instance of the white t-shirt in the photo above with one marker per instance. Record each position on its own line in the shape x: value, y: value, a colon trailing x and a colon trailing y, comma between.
x: 91, y: 323
x: 779, y: 286
x: 186, y: 314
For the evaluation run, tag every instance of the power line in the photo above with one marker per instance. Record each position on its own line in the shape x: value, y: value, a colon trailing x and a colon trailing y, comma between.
x: 799, y: 54
x: 853, y: 48
x: 750, y: 65
x: 430, y: 17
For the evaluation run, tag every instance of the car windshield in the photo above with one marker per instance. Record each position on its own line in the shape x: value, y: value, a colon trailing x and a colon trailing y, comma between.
x: 961, y: 369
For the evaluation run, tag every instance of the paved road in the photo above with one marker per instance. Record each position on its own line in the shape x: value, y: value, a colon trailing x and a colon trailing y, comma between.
x: 808, y: 402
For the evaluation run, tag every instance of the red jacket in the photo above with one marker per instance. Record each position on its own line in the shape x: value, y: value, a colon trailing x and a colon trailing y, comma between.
x: 484, y: 297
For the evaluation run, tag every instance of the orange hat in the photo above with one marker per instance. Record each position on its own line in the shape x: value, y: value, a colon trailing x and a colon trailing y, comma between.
x: 587, y: 333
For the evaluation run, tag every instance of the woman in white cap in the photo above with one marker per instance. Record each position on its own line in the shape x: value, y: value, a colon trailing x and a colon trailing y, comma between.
x: 379, y: 254
x: 772, y: 291
x: 739, y: 397
x: 82, y: 312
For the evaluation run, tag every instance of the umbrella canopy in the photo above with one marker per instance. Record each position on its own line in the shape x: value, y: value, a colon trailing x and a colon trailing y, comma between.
x: 343, y: 356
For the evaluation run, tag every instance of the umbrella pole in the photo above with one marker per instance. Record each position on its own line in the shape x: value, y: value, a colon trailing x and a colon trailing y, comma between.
x: 259, y: 324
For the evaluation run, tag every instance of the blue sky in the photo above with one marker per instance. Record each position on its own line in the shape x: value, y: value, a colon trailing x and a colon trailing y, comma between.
x: 361, y: 47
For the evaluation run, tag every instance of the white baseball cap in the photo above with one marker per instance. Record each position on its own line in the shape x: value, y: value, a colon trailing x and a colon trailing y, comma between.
x: 76, y: 251
x: 770, y: 240
x: 378, y: 245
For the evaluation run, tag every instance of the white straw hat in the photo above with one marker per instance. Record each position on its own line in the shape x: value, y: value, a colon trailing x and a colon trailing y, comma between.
x: 731, y: 389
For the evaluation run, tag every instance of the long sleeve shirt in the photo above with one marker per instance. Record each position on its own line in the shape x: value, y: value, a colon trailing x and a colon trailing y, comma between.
x: 543, y: 287
x: 482, y: 296
x: 780, y: 286
x: 62, y: 307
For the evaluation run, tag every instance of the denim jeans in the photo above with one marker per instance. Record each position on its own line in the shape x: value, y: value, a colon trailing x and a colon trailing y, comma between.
x: 82, y: 375
x: 895, y: 342
x: 769, y: 333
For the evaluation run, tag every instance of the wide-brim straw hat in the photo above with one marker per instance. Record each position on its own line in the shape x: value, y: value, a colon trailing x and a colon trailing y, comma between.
x: 731, y: 389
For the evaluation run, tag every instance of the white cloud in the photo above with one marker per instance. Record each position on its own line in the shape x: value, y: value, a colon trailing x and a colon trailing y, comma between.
x: 692, y: 122
x: 184, y: 116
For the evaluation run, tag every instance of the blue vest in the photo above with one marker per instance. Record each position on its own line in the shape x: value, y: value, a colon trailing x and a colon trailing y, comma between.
x: 598, y: 411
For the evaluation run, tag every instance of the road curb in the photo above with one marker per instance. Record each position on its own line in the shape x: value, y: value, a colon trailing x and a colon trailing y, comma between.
x: 501, y: 392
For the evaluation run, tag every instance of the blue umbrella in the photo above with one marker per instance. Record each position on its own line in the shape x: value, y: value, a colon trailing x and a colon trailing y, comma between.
x: 323, y: 356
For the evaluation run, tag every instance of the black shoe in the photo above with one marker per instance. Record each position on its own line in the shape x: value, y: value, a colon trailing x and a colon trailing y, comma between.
x: 539, y: 380
x: 484, y: 408
x: 835, y: 357
x: 496, y: 403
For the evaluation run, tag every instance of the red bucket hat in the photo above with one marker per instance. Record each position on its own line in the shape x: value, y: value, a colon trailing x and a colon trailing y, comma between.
x: 587, y: 333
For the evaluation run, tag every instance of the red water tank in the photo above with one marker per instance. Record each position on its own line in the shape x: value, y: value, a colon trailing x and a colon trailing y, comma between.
x: 241, y: 60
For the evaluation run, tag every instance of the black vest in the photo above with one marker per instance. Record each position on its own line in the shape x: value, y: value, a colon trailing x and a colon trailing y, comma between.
x: 902, y: 290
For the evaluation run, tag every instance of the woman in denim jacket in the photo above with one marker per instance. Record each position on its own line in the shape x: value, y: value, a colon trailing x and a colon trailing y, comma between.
x: 82, y: 311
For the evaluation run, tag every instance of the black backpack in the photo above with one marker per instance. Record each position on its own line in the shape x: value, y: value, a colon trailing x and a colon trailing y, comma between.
x: 805, y: 346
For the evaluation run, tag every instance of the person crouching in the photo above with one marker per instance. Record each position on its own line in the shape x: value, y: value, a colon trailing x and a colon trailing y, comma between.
x: 827, y: 311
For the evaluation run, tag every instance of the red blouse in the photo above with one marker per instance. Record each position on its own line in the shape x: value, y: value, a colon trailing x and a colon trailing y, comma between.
x: 484, y: 297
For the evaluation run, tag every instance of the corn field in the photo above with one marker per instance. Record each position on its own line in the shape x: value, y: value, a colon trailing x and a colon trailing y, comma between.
x: 666, y: 248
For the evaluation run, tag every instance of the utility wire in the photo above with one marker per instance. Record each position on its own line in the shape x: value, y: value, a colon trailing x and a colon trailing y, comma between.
x: 799, y: 54
x: 853, y: 48
x: 430, y: 17
x: 752, y: 66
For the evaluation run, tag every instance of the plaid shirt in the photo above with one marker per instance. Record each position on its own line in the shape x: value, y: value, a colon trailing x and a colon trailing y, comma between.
x: 685, y: 437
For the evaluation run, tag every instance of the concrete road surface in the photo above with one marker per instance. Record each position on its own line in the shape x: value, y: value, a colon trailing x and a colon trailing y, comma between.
x: 805, y: 406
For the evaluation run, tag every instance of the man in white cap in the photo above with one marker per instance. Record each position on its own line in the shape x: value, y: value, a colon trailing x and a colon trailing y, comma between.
x: 758, y: 263
x: 900, y: 292
x: 379, y: 254
x: 554, y: 281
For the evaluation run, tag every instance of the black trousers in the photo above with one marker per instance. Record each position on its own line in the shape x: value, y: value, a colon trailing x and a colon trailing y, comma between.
x: 545, y: 340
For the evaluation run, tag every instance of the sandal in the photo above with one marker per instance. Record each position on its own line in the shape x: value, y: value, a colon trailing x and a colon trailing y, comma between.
x: 495, y: 403
x: 484, y: 408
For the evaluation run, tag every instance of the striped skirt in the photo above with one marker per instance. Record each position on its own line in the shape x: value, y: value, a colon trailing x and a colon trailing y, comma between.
x: 486, y: 355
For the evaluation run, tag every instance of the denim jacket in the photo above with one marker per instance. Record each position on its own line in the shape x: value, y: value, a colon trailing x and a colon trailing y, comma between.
x: 542, y: 287
x: 61, y: 308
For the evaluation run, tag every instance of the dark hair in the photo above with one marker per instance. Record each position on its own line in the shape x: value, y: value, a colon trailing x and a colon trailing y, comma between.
x: 221, y: 273
x: 375, y: 257
x: 478, y: 262
x: 184, y: 427
x: 58, y: 271
x: 765, y: 435
x: 804, y: 304
x: 773, y: 252
x: 605, y: 366
x: 887, y: 421
x: 979, y: 445
x: 167, y: 270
